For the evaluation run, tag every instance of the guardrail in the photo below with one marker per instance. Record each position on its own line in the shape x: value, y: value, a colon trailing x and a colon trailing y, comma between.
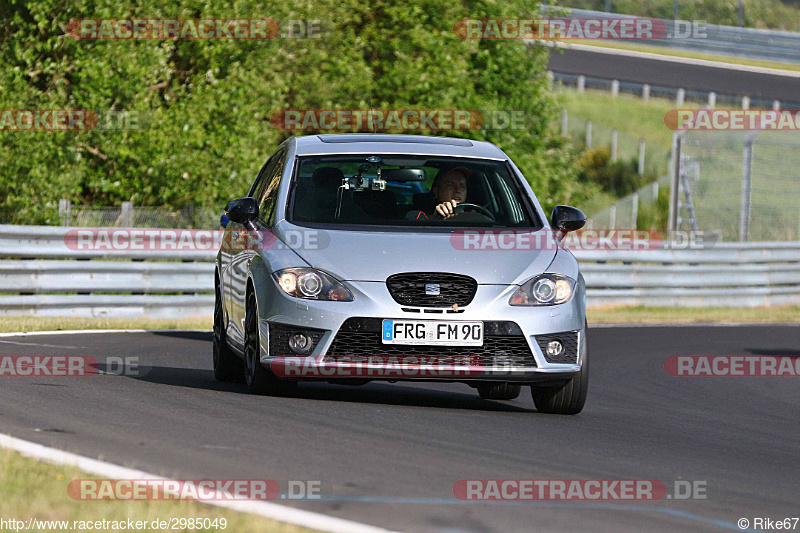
x: 728, y: 274
x: 753, y: 43
x: 41, y: 275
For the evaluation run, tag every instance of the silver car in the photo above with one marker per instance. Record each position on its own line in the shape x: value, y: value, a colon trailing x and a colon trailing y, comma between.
x: 359, y: 257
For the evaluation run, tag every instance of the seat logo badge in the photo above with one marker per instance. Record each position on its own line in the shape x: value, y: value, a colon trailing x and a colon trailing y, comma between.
x: 432, y: 289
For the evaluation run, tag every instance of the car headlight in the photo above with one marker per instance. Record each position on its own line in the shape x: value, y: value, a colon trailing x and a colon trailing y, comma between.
x: 545, y: 289
x: 311, y: 284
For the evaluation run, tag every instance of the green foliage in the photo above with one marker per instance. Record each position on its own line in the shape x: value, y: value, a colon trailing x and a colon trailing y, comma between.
x: 654, y: 215
x: 619, y: 177
x: 205, y: 106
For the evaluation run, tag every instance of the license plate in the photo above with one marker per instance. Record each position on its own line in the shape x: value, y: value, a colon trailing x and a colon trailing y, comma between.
x: 434, y: 332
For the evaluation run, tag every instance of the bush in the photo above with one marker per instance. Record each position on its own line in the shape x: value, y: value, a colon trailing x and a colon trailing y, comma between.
x: 617, y: 177
x: 208, y: 103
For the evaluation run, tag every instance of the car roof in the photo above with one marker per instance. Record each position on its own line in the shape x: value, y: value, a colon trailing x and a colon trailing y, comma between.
x: 381, y: 143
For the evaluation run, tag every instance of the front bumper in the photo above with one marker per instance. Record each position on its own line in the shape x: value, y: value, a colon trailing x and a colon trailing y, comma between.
x: 339, y: 334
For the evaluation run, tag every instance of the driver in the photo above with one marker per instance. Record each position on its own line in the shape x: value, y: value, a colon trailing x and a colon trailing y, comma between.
x: 449, y: 189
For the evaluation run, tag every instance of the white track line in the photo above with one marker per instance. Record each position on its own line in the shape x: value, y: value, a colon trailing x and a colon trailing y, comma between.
x: 677, y: 59
x: 93, y: 331
x: 270, y: 510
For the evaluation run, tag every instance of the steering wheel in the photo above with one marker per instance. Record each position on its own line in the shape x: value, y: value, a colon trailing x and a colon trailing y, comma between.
x: 461, y: 208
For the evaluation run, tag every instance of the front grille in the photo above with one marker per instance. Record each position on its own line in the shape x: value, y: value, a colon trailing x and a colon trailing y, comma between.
x: 506, y: 346
x: 569, y: 339
x: 409, y: 289
x: 279, y: 338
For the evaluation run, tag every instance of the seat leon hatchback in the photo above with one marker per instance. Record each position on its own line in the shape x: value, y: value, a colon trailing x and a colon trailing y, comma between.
x: 361, y: 257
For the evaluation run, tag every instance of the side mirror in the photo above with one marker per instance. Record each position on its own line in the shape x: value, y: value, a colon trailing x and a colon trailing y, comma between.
x: 565, y: 219
x: 243, y: 211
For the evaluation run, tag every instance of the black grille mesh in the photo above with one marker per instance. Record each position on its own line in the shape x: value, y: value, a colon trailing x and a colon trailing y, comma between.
x: 359, y: 336
x: 569, y: 339
x: 409, y: 289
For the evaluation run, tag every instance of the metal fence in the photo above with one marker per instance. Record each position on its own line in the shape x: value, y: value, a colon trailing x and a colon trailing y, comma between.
x: 743, y: 185
x: 677, y: 94
x: 128, y: 215
x: 40, y: 275
x: 725, y: 40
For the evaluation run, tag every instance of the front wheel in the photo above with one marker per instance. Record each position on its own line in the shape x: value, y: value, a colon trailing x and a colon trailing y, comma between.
x: 259, y: 380
x: 567, y: 398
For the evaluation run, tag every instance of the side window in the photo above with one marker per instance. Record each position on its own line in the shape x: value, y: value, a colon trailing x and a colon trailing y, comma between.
x: 258, y: 186
x: 269, y: 192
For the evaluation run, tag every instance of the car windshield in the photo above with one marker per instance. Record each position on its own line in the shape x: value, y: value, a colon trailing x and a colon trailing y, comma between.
x: 391, y: 190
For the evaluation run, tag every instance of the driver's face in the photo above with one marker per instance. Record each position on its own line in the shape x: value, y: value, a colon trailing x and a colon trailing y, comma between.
x: 451, y: 186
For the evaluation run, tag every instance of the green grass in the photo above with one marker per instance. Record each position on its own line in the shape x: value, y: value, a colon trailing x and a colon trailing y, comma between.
x: 628, y: 114
x: 598, y: 315
x: 33, y: 489
x: 679, y: 52
x: 692, y: 315
x: 33, y: 323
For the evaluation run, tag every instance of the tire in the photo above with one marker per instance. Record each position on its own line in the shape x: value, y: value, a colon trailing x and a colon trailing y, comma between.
x: 227, y: 365
x: 567, y: 398
x: 259, y: 380
x: 499, y: 391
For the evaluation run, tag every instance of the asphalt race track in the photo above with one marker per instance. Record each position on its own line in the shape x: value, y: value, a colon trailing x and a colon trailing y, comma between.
x: 390, y: 454
x: 673, y: 74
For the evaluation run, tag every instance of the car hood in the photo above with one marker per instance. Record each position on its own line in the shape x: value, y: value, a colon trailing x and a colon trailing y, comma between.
x: 376, y: 255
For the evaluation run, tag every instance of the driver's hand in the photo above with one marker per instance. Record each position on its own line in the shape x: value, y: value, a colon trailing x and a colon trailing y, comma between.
x: 445, y: 209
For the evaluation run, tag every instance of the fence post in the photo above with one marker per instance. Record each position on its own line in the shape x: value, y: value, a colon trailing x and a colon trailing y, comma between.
x: 614, y: 145
x: 745, y: 102
x: 614, y: 88
x: 674, y: 182
x: 712, y: 99
x: 588, y: 134
x: 776, y: 105
x: 635, y: 210
x: 747, y: 178
x: 564, y: 119
x: 581, y: 83
x: 680, y: 98
x: 612, y: 217
x: 63, y: 211
x: 646, y: 92
x: 641, y: 156
x: 126, y: 216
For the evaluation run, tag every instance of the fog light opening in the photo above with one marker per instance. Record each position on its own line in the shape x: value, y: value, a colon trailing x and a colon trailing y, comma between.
x: 300, y: 343
x: 555, y: 348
